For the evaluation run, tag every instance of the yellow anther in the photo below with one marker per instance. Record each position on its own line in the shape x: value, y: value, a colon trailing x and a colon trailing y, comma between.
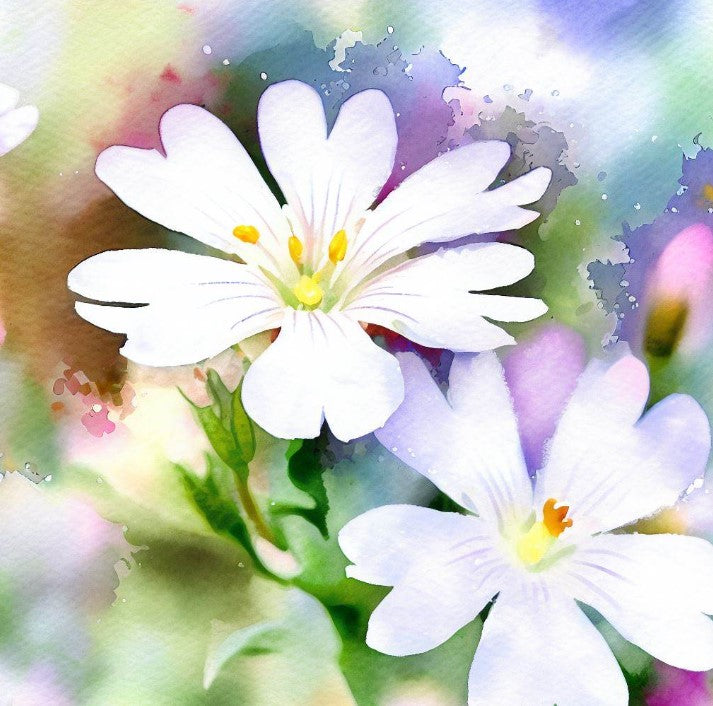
x: 532, y: 546
x: 338, y: 247
x: 248, y: 234
x: 553, y: 517
x: 294, y: 245
x: 707, y: 192
x: 664, y: 326
x: 308, y: 291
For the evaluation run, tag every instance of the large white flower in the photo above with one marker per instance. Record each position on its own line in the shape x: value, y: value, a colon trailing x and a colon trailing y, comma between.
x: 16, y: 124
x: 542, y: 545
x: 316, y: 267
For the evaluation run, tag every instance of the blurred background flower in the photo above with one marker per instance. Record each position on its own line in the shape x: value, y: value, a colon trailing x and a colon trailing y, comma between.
x: 59, y: 567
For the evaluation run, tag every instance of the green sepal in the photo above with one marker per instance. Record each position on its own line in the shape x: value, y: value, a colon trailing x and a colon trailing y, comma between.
x: 305, y: 471
x: 241, y: 425
x: 227, y: 426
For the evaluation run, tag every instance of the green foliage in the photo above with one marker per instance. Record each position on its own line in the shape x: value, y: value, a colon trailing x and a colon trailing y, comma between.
x: 305, y: 469
x: 227, y: 426
x: 259, y: 639
x: 214, y: 497
x: 302, y: 635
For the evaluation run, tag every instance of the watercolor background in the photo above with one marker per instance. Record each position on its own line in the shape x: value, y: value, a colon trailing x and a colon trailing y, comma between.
x: 613, y: 93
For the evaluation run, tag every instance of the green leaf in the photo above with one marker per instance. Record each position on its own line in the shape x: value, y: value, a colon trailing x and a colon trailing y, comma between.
x: 259, y: 639
x: 241, y: 425
x: 213, y: 497
x: 305, y: 470
x: 303, y: 636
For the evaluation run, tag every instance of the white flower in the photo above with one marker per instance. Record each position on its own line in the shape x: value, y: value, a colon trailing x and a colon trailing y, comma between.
x: 16, y: 124
x: 315, y: 268
x: 540, y: 546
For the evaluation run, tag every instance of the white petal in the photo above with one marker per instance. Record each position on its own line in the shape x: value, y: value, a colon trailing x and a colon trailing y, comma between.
x: 9, y: 98
x: 469, y: 448
x: 195, y: 306
x: 322, y: 366
x: 385, y: 542
x: 612, y: 470
x: 138, y: 276
x: 543, y: 653
x: 204, y: 186
x: 443, y: 566
x: 426, y: 609
x: 445, y: 200
x: 654, y: 589
x: 428, y: 301
x: 16, y: 126
x: 328, y: 181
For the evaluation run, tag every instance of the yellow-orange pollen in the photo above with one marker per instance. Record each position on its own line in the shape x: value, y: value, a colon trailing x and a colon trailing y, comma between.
x: 532, y: 546
x: 294, y: 245
x: 308, y: 290
x: 247, y: 234
x: 338, y: 247
x: 554, y: 517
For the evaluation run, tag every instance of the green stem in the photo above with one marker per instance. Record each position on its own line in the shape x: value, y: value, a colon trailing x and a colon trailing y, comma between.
x: 252, y: 510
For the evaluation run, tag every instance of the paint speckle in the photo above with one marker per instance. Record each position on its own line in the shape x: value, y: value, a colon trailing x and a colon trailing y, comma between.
x: 170, y: 75
x: 207, y: 49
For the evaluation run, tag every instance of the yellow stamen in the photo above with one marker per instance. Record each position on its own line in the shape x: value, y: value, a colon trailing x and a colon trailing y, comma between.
x: 532, y: 546
x: 553, y: 517
x: 707, y: 192
x: 294, y: 245
x: 338, y: 247
x: 664, y: 327
x: 308, y: 291
x: 248, y: 234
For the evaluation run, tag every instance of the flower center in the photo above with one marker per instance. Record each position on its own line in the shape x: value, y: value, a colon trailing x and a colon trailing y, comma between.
x: 312, y: 288
x: 308, y: 290
x: 532, y: 546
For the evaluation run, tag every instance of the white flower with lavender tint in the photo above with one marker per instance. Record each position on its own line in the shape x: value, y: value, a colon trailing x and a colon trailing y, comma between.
x: 16, y: 124
x: 316, y: 268
x: 540, y: 546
